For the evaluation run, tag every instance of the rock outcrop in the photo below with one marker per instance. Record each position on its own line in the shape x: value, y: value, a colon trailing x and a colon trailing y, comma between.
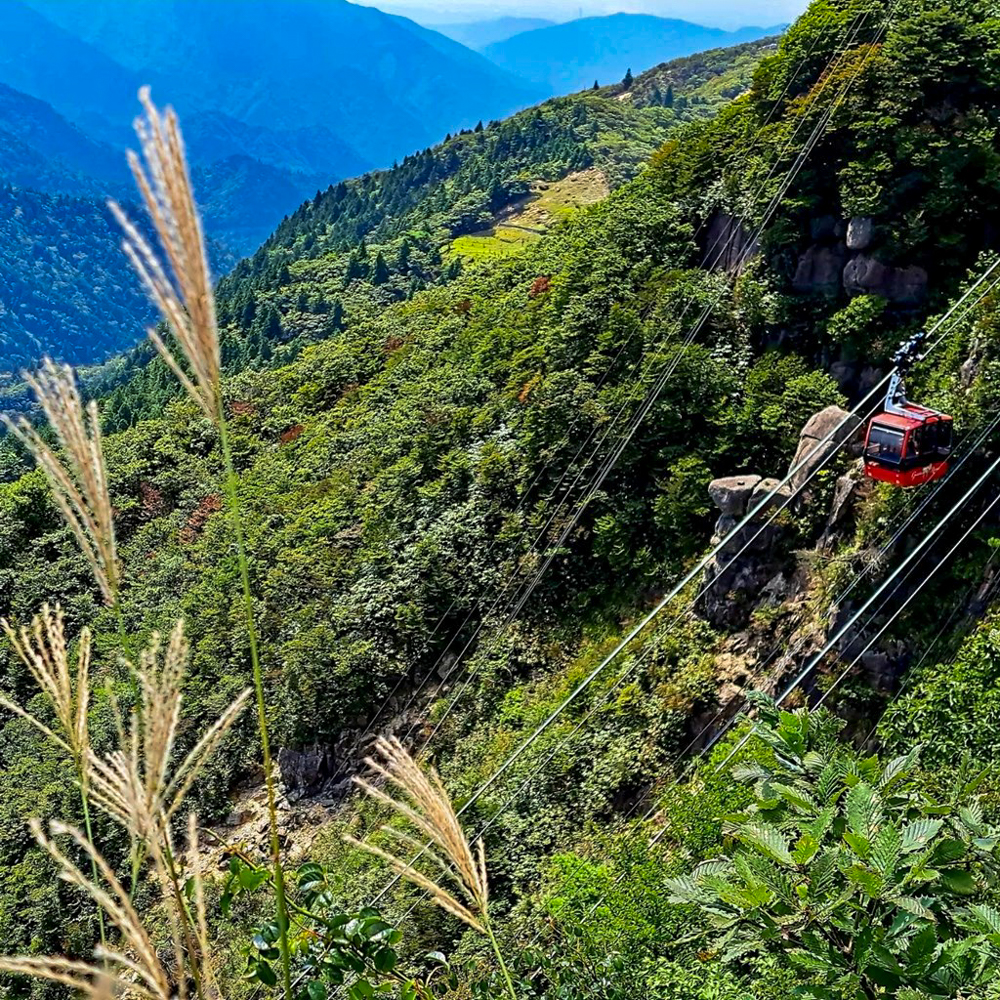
x: 755, y: 562
x: 860, y: 232
x: 820, y: 269
x: 841, y: 259
x: 865, y: 275
x: 822, y: 435
x: 729, y: 246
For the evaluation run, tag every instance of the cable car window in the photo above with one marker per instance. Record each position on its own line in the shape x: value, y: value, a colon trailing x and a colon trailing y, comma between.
x: 885, y: 444
x: 945, y: 434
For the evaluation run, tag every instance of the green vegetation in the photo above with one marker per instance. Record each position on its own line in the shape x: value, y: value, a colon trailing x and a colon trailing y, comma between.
x: 403, y: 430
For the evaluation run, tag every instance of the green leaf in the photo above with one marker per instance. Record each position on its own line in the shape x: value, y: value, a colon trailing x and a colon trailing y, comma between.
x: 987, y: 917
x: 959, y: 881
x: 384, y: 960
x: 265, y: 974
x: 769, y: 840
x: 921, y: 949
x: 316, y: 990
x: 864, y: 810
x: 917, y: 906
x: 919, y: 833
x: 858, y: 844
x: 886, y: 850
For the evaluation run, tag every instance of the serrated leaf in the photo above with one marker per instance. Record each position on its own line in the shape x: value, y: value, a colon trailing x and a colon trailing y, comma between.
x: 987, y: 917
x: 885, y: 852
x: 917, y: 834
x: 823, y: 873
x: 864, y: 810
x: 898, y: 768
x: 971, y: 815
x: 795, y: 797
x: 805, y: 849
x: 769, y: 840
x: 867, y: 880
x: 917, y: 906
x: 921, y: 949
x: 858, y: 844
x: 959, y: 881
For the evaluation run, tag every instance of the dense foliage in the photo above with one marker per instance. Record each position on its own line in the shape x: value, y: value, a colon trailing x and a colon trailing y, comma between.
x: 405, y: 429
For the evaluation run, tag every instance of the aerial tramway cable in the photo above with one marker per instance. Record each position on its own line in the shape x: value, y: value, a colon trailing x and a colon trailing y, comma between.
x: 648, y: 403
x: 526, y: 592
x: 640, y: 627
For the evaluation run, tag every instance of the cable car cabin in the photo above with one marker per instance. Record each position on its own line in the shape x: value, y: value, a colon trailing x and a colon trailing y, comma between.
x: 909, y: 447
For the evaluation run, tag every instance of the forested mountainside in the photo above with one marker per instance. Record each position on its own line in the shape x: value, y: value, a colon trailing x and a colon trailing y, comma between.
x: 571, y: 56
x: 380, y: 238
x: 410, y: 560
x: 67, y: 291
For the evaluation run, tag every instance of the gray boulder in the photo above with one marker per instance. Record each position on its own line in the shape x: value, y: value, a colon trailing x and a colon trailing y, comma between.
x: 769, y: 494
x: 819, y: 270
x: 731, y: 494
x: 865, y: 275
x: 860, y: 231
x: 833, y: 423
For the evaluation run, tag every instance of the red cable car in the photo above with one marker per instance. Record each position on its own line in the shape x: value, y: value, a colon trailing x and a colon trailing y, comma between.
x: 907, y: 445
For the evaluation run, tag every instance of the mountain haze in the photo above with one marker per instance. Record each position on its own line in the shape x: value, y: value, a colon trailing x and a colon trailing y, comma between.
x: 382, y: 84
x: 568, y: 57
x: 478, y: 34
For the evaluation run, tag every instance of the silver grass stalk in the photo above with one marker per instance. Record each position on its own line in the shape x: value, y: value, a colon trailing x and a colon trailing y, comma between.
x: 79, y: 482
x: 135, y: 968
x: 140, y: 784
x: 43, y: 650
x: 180, y: 284
x: 181, y: 289
x: 426, y: 805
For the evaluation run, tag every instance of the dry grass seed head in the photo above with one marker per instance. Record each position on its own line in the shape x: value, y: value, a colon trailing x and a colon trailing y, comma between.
x: 138, y: 784
x: 135, y: 969
x: 43, y: 650
x: 179, y: 283
x: 428, y: 807
x: 80, y: 484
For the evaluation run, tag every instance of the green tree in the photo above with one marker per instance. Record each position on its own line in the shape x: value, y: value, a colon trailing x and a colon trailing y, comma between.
x: 627, y: 82
x: 848, y: 867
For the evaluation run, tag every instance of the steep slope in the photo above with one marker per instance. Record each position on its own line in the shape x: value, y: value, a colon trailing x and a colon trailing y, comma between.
x: 50, y: 63
x: 241, y: 198
x: 382, y: 237
x: 382, y: 84
x: 571, y: 56
x: 64, y: 287
x: 212, y: 136
x: 39, y: 127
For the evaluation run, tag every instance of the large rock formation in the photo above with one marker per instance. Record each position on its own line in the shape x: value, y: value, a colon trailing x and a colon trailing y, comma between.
x: 728, y: 246
x: 822, y: 435
x: 755, y: 561
x: 865, y: 275
x: 840, y: 259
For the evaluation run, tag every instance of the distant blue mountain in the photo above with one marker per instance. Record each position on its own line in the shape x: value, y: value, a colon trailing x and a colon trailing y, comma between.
x: 478, y: 34
x: 567, y: 57
x: 383, y: 85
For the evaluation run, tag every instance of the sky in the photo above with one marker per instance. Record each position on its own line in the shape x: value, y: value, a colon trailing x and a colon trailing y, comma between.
x: 714, y: 13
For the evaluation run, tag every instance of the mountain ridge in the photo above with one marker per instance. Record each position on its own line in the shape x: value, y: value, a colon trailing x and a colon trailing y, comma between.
x: 570, y: 56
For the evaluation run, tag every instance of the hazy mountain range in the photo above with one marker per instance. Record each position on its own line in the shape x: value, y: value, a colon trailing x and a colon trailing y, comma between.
x: 279, y: 99
x: 566, y: 57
